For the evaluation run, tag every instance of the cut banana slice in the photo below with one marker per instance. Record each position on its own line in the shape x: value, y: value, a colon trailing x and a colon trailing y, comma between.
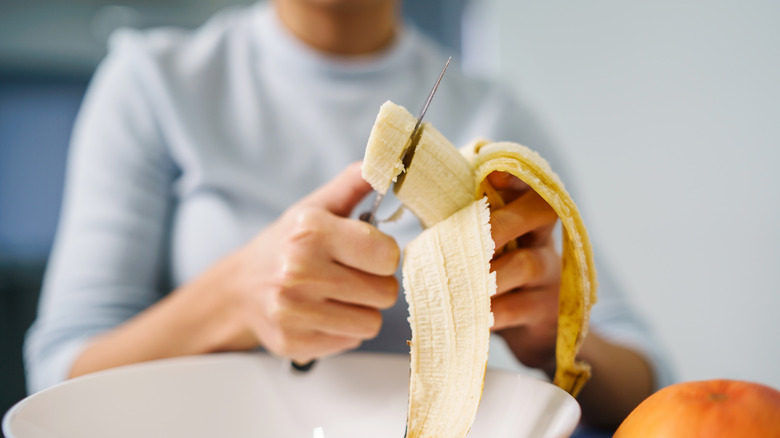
x: 389, y: 138
x: 447, y: 279
x: 439, y: 181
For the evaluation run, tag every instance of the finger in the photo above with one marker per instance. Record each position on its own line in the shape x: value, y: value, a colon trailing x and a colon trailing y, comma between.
x: 526, y: 267
x: 508, y: 186
x: 507, y: 181
x: 539, y: 237
x: 526, y: 213
x: 306, y: 346
x: 347, y: 241
x: 350, y: 286
x: 339, y: 319
x: 362, y: 246
x: 523, y: 307
x: 341, y: 194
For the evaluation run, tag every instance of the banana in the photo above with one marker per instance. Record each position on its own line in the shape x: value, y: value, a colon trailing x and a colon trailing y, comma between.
x: 389, y: 139
x: 445, y: 181
x: 446, y: 270
x: 448, y: 284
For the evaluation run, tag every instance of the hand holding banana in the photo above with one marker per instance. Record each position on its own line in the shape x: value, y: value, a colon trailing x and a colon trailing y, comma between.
x: 528, y: 272
x: 541, y: 303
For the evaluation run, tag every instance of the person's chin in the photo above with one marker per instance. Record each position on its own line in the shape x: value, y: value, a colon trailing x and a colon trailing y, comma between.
x: 345, y: 4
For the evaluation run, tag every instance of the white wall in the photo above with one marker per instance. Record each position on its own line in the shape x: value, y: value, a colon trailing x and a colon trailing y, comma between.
x: 668, y: 113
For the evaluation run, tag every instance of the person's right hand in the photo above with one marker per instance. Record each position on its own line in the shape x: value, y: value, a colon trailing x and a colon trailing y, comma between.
x: 312, y: 283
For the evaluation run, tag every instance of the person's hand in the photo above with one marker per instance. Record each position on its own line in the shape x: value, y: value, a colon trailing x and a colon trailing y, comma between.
x: 312, y: 284
x: 525, y: 306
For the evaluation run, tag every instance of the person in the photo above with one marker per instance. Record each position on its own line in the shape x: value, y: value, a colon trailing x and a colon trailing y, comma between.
x: 210, y: 187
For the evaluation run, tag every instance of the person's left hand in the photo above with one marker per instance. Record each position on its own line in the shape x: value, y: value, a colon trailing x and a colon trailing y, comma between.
x: 525, y: 306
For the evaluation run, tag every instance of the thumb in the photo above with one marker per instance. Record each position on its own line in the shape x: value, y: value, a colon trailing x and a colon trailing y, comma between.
x: 341, y: 194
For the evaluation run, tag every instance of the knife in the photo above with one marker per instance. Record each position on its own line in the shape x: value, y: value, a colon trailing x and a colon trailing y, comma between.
x: 406, y: 159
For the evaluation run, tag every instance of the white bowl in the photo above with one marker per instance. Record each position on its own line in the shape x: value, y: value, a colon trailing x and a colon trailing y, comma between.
x: 255, y: 395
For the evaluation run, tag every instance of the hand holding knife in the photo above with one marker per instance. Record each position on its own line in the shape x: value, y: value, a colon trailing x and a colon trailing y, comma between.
x: 406, y: 158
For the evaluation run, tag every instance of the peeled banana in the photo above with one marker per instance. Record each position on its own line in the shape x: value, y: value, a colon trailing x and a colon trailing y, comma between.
x: 448, y: 284
x: 447, y: 279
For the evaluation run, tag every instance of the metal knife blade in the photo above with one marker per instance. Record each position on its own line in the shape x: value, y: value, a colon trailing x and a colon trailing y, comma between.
x: 406, y: 157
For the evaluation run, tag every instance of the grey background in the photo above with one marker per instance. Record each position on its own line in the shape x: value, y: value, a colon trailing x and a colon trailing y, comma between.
x: 668, y: 113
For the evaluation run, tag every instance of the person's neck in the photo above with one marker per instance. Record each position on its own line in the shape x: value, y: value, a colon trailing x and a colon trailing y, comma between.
x: 357, y: 28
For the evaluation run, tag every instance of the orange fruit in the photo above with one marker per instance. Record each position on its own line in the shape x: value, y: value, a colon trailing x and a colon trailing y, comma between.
x: 708, y: 408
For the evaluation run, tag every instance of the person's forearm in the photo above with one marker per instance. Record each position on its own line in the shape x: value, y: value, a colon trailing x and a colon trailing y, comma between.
x: 621, y: 379
x: 197, y: 318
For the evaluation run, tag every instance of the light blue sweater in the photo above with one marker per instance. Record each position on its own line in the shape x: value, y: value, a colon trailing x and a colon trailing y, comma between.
x: 190, y: 142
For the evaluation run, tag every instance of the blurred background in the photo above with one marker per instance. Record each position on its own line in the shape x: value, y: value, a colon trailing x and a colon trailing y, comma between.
x: 667, y: 113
